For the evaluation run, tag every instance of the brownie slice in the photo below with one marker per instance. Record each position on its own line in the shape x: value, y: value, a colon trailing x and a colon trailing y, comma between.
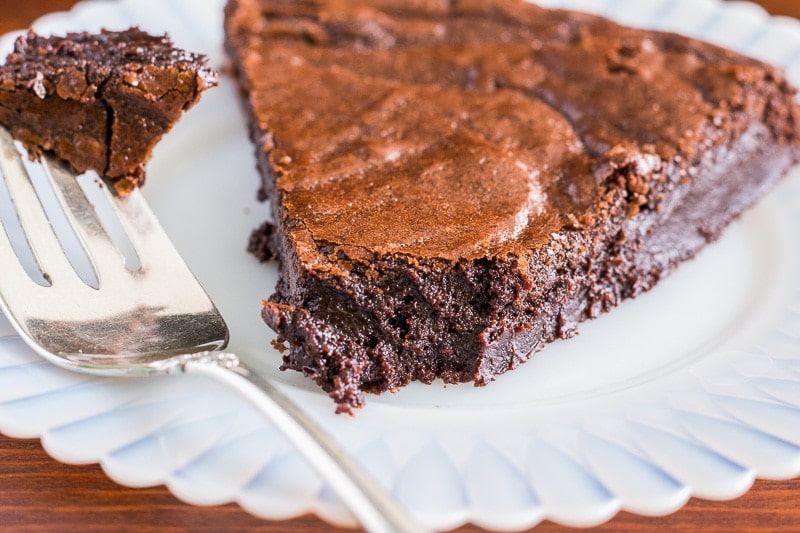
x: 457, y: 184
x: 99, y: 101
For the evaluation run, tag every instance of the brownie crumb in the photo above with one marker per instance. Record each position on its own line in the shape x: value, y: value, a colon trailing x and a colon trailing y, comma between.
x: 261, y: 243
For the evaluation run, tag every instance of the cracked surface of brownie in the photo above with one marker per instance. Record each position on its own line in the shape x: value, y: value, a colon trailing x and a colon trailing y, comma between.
x: 457, y: 184
x: 99, y: 101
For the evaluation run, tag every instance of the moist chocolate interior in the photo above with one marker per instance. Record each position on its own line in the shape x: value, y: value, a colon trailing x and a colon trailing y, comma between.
x: 99, y: 101
x: 456, y: 184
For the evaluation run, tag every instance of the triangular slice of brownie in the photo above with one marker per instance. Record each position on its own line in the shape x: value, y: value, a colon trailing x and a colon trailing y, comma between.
x: 457, y: 183
x: 99, y: 101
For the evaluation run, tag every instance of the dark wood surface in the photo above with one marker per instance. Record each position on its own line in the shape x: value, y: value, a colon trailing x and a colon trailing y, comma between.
x: 39, y: 494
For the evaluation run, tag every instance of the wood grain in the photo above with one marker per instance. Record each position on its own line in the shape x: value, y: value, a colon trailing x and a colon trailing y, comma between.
x: 789, y: 8
x: 38, y: 494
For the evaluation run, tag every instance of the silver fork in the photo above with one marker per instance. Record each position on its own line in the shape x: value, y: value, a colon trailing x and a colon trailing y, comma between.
x: 150, y: 321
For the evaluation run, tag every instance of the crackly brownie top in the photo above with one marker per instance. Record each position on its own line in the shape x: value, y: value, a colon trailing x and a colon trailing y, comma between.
x: 471, y: 128
x: 77, y: 64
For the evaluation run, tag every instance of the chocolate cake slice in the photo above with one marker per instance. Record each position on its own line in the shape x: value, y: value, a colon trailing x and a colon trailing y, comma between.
x: 99, y: 101
x: 457, y: 184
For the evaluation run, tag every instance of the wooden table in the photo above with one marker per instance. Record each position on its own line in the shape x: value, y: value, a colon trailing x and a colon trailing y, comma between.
x: 39, y: 494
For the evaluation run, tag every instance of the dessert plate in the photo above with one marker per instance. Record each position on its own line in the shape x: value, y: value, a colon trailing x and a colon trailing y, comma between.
x: 691, y: 389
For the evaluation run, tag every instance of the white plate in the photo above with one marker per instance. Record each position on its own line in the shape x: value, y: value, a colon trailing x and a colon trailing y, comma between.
x: 692, y: 389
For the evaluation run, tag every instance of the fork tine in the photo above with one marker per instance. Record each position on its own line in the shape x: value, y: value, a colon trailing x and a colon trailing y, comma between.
x: 42, y: 240
x: 106, y: 260
x: 139, y: 223
x: 13, y: 274
x: 147, y: 235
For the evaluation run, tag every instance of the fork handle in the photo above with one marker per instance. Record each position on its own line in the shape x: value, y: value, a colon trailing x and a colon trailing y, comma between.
x: 375, y: 509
